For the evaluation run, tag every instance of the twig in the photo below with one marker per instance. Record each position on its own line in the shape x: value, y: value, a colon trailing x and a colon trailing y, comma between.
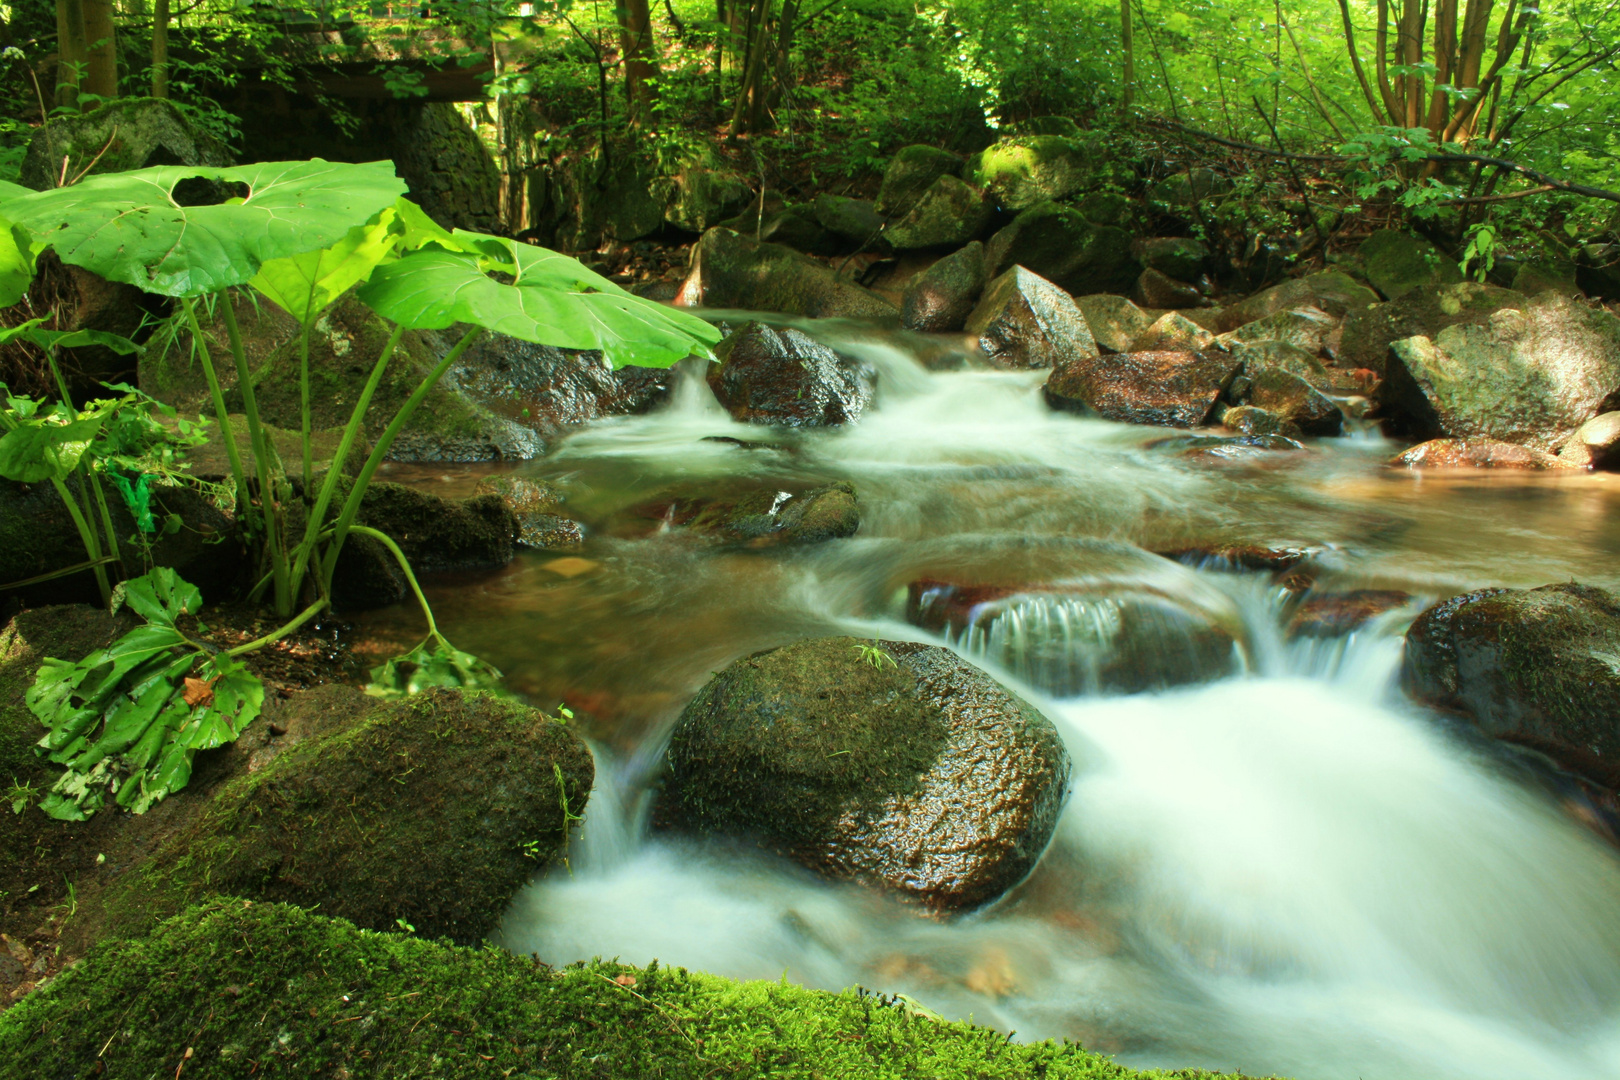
x: 1293, y: 173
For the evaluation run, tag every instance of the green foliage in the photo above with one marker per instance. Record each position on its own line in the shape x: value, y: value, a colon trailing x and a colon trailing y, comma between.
x: 127, y: 720
x: 132, y: 227
x: 433, y: 663
x: 874, y: 655
x: 16, y: 262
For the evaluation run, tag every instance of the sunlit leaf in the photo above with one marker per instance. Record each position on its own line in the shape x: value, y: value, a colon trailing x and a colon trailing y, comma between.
x: 16, y: 262
x: 305, y: 285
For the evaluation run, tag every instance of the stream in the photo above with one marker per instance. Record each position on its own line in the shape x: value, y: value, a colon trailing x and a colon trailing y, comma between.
x: 1289, y: 871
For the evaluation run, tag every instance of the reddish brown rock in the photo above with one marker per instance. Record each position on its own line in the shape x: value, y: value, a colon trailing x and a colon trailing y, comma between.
x: 1333, y: 614
x: 1478, y: 454
x: 1156, y: 289
x: 785, y: 377
x: 1024, y: 321
x: 1171, y: 389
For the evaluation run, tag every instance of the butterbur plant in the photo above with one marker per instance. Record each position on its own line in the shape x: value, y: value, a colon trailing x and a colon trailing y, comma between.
x: 302, y: 233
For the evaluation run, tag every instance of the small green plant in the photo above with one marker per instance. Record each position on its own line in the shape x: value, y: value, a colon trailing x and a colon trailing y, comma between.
x: 21, y: 795
x: 569, y: 817
x: 404, y: 926
x: 873, y: 654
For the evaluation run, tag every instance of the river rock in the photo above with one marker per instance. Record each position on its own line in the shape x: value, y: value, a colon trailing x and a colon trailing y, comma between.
x: 771, y: 376
x: 1530, y: 375
x: 949, y: 214
x: 1156, y: 289
x: 132, y: 133
x: 1545, y: 275
x: 1309, y: 329
x: 732, y: 271
x: 1253, y: 420
x: 1595, y: 444
x: 1024, y: 321
x: 797, y: 227
x: 894, y: 764
x: 1332, y: 291
x: 1172, y: 389
x: 535, y: 505
x: 942, y: 297
x: 912, y: 171
x: 1477, y: 454
x: 1020, y: 172
x: 1334, y: 614
x: 1073, y: 641
x: 1535, y: 666
x: 1369, y: 332
x: 1172, y: 331
x: 1115, y: 322
x: 1397, y: 262
x: 1058, y: 243
x: 1291, y: 398
x: 767, y: 518
x: 855, y: 221
x: 1179, y: 257
x: 451, y: 786
x: 698, y: 198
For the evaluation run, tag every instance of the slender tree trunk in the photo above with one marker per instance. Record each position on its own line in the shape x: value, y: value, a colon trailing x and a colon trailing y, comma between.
x: 70, y: 51
x: 1127, y: 44
x: 101, y: 71
x: 640, y: 67
x: 160, y: 48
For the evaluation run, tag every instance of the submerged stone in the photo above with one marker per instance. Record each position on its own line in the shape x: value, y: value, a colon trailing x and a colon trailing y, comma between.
x: 535, y: 505
x: 1478, y: 454
x: 762, y: 518
x: 897, y: 765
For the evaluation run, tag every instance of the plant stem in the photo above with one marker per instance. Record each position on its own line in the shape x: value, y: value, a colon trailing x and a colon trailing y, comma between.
x: 225, y: 432
x: 261, y: 458
x: 352, y: 505
x: 88, y: 536
x: 317, y: 515
x: 270, y: 639
x: 113, y: 547
x: 405, y: 565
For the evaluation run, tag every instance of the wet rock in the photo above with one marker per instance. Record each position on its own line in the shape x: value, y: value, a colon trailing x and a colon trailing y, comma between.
x: 1172, y: 331
x: 1061, y: 245
x: 1397, y: 262
x: 1332, y: 291
x: 536, y: 505
x: 905, y: 768
x: 1369, y: 332
x: 698, y: 198
x: 1218, y: 450
x: 733, y: 271
x: 1292, y: 399
x: 117, y: 137
x: 1024, y: 321
x: 949, y: 214
x: 1253, y: 420
x: 1477, y: 454
x: 1116, y: 323
x: 1534, y: 666
x: 855, y: 221
x: 764, y: 518
x: 1020, y: 172
x: 796, y: 227
x: 1334, y: 614
x: 1530, y: 376
x: 1595, y: 444
x: 450, y: 785
x: 942, y: 297
x: 37, y: 536
x: 1078, y: 641
x: 1238, y: 557
x: 1156, y: 289
x: 1545, y: 275
x: 1178, y: 257
x: 912, y: 171
x: 1309, y: 329
x: 1171, y: 389
x: 770, y: 376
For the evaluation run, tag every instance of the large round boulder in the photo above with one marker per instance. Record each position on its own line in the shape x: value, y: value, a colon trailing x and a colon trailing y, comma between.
x: 1537, y: 666
x: 894, y: 764
x: 785, y: 377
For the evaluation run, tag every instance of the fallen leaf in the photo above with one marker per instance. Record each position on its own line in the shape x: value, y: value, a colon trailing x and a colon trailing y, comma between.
x: 626, y: 980
x: 570, y: 566
x: 198, y: 691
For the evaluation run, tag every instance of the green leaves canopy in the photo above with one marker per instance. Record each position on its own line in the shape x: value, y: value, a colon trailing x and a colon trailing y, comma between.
x: 130, y: 226
x: 534, y: 294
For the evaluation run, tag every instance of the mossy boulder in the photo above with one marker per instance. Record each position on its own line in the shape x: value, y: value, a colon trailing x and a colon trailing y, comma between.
x: 1536, y: 666
x: 1172, y: 330
x: 698, y: 197
x: 536, y: 505
x: 1157, y: 290
x: 1291, y: 397
x: 949, y: 214
x: 1115, y: 322
x: 277, y: 992
x: 1025, y: 321
x: 1306, y: 328
x: 912, y: 171
x: 1180, y: 257
x: 1529, y: 375
x: 1332, y: 291
x: 787, y: 378
x: 942, y: 297
x: 1022, y: 171
x: 132, y: 133
x: 868, y: 762
x: 729, y: 270
x: 1396, y: 262
x: 1369, y: 331
x: 1066, y: 248
x: 433, y: 810
x: 854, y: 221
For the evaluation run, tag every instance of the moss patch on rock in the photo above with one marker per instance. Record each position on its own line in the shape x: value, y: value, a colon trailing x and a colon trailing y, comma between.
x: 234, y: 989
x: 434, y: 810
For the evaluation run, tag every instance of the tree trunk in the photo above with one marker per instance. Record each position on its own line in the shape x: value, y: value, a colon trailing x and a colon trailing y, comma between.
x: 160, y: 48
x: 70, y: 51
x: 101, y: 68
x: 640, y: 68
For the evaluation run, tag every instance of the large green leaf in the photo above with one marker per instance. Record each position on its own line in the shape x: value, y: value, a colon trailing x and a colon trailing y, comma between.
x: 162, y: 596
x: 305, y: 285
x: 530, y: 293
x: 66, y: 339
x: 42, y: 449
x: 130, y: 227
x: 16, y: 262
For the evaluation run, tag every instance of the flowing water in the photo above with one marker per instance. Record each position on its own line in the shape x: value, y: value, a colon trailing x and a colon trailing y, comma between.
x: 1289, y: 870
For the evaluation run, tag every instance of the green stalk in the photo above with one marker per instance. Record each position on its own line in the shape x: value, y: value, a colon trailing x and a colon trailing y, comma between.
x: 351, y: 506
x: 238, y: 474
x: 303, y: 396
x: 271, y: 638
x: 113, y: 547
x: 92, y: 547
x: 405, y: 565
x: 317, y: 515
x: 261, y: 459
x: 88, y: 536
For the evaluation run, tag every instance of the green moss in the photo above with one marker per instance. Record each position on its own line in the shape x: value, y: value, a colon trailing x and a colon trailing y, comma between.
x: 235, y: 989
x: 434, y: 810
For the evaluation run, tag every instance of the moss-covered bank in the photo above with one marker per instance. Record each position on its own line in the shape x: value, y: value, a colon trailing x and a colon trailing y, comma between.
x: 233, y: 989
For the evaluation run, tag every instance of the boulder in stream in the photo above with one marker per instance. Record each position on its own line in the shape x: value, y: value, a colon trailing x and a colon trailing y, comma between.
x: 1535, y: 666
x: 1331, y: 291
x: 785, y: 377
x: 1024, y: 321
x: 1156, y: 289
x: 1022, y: 171
x: 536, y: 505
x: 1478, y: 454
x: 942, y: 297
x: 912, y: 171
x: 1179, y: 257
x: 1116, y: 323
x: 1172, y: 389
x: 767, y: 518
x: 1369, y: 331
x: 1595, y: 444
x: 893, y: 764
x: 733, y: 271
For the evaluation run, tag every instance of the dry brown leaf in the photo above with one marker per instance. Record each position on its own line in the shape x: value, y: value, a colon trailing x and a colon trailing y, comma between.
x: 198, y: 691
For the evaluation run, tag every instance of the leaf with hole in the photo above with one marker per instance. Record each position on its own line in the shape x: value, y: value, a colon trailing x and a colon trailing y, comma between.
x: 134, y: 227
